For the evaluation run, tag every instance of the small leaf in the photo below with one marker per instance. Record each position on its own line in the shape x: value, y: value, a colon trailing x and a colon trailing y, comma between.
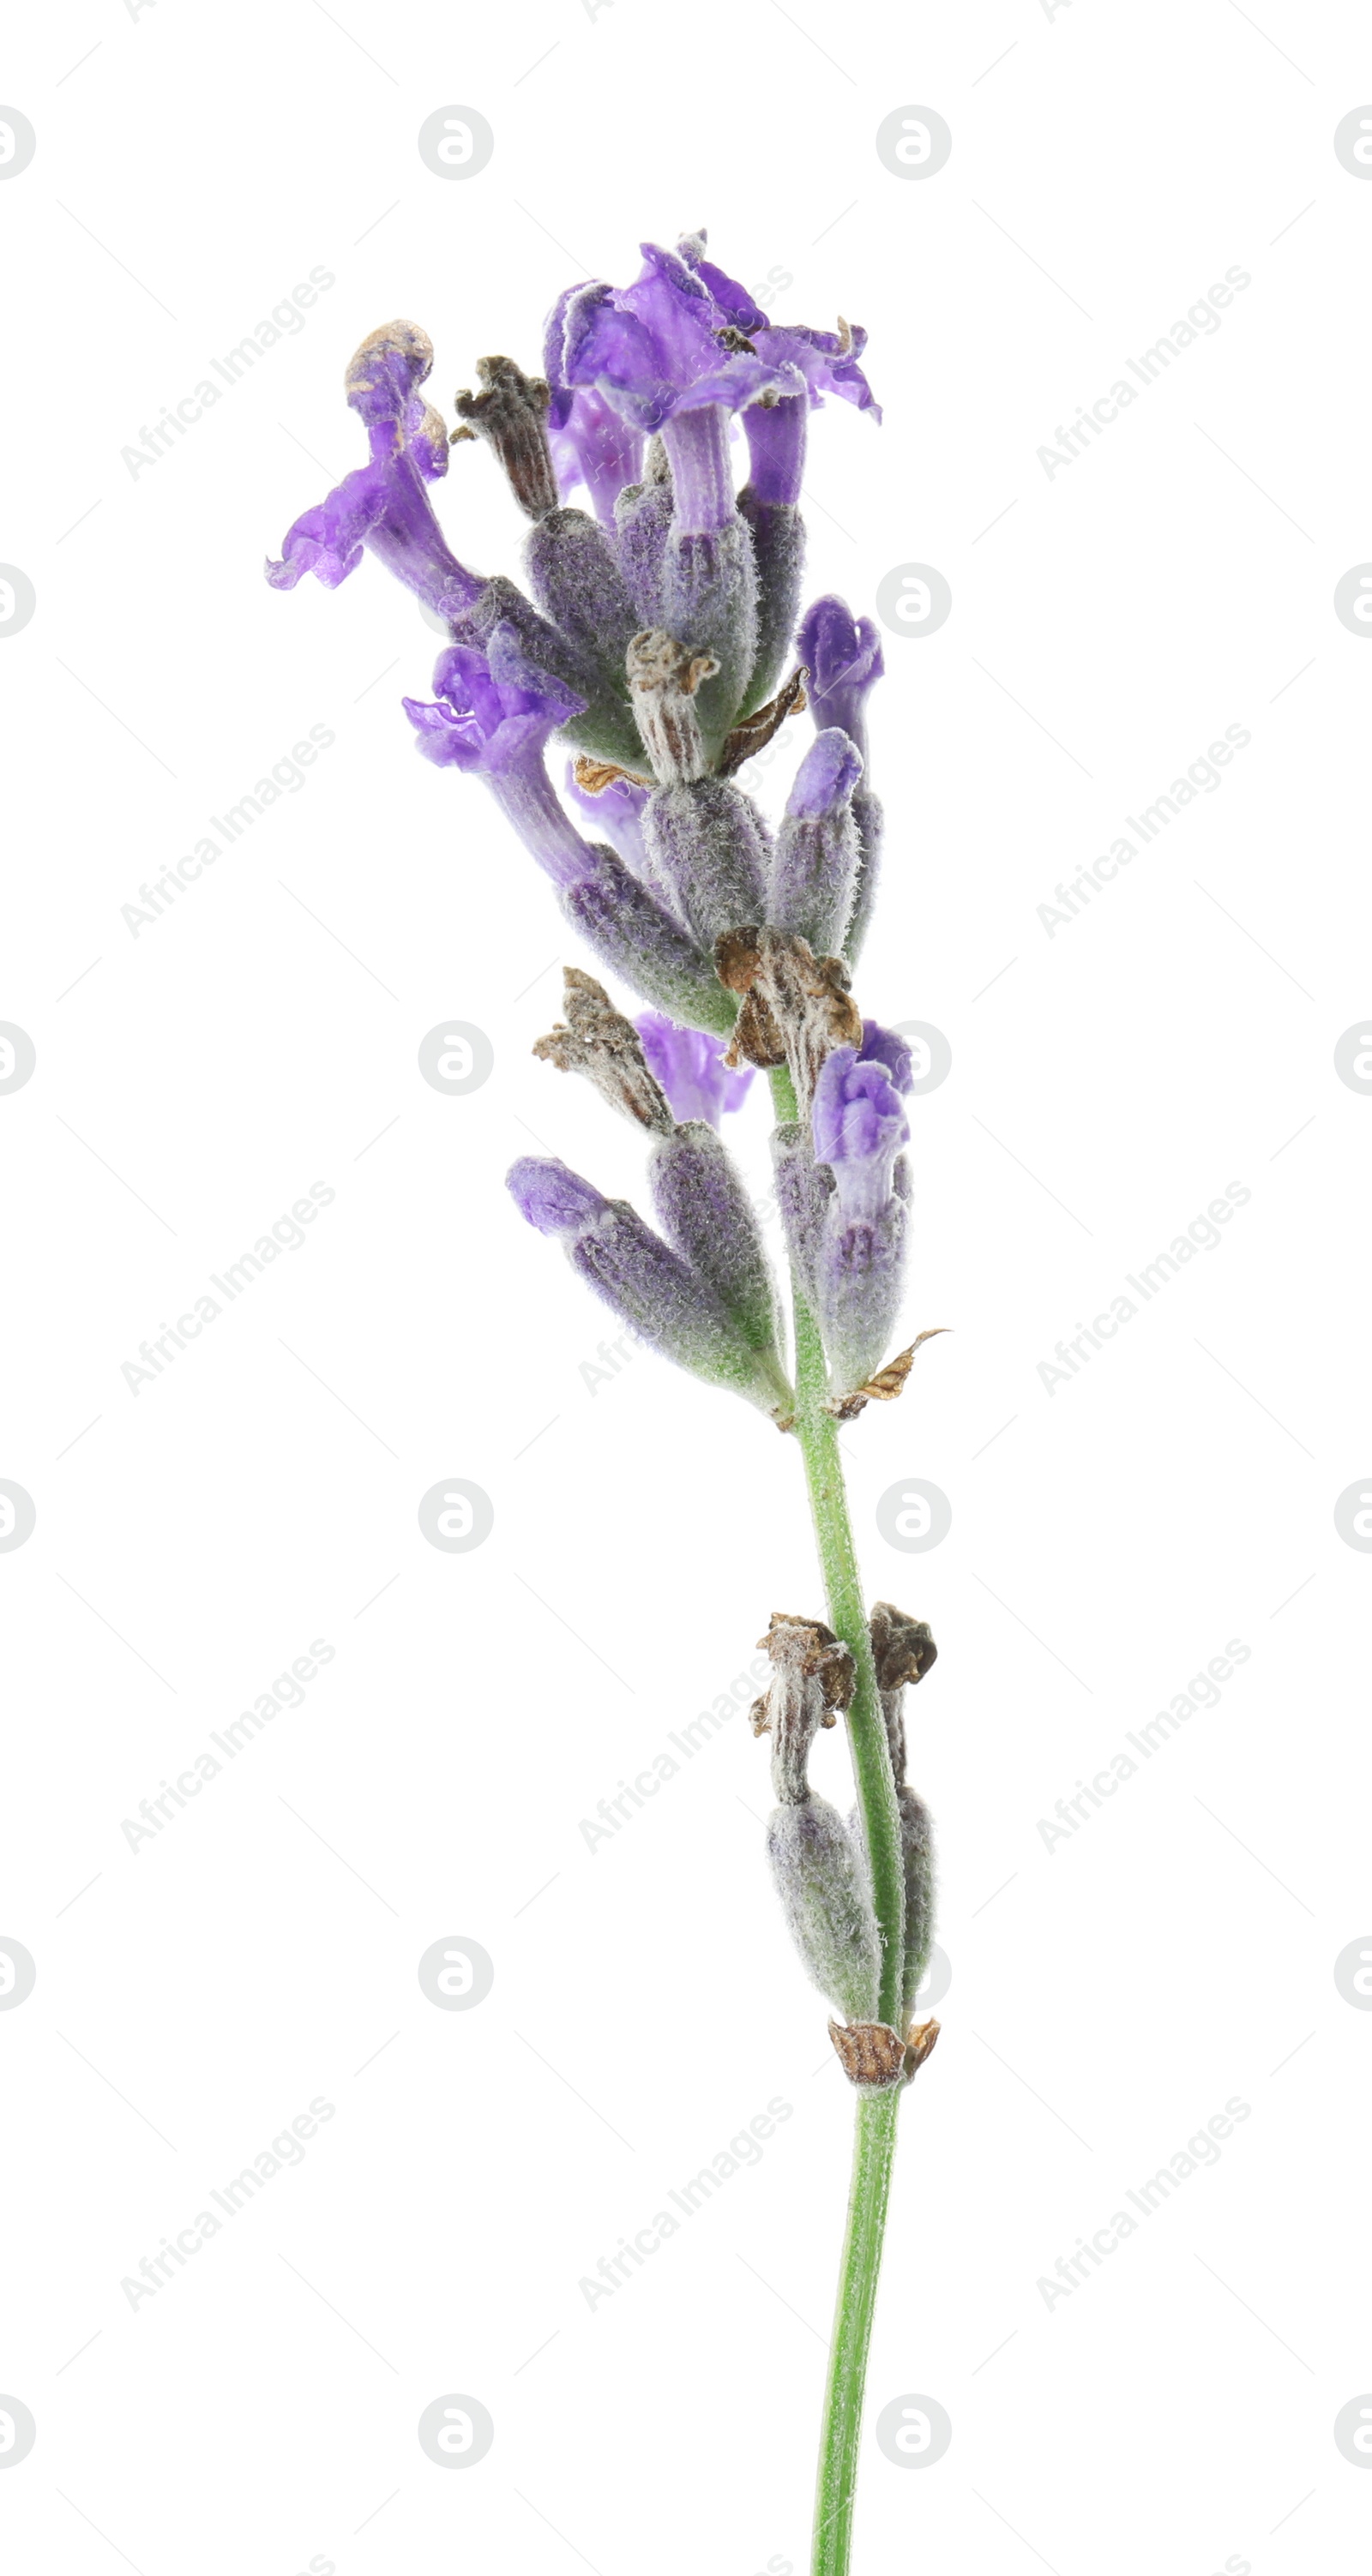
x: 888, y: 1382
x: 756, y: 730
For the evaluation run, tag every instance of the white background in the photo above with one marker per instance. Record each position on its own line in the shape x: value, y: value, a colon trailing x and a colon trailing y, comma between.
x: 1108, y: 1539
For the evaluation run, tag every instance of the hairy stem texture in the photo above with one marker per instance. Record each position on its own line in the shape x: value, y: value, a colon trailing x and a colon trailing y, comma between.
x: 874, y: 2147
x: 877, y: 2111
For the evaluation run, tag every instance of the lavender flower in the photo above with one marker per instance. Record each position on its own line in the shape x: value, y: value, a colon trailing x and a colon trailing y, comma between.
x: 812, y: 364
x: 690, y: 1067
x: 592, y: 443
x: 493, y: 715
x: 843, y: 658
x: 671, y: 354
x: 666, y: 345
x: 384, y: 504
x: 663, y: 636
x: 887, y: 1047
x: 859, y: 1129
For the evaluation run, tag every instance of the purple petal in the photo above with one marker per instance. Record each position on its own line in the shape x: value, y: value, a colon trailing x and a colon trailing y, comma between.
x: 843, y: 656
x: 887, y: 1047
x: 497, y: 707
x: 384, y: 375
x: 551, y: 1197
x: 653, y: 348
x: 828, y: 361
x: 689, y: 1066
x: 859, y: 1127
x: 329, y: 539
x: 733, y: 301
x: 827, y: 775
x: 448, y: 739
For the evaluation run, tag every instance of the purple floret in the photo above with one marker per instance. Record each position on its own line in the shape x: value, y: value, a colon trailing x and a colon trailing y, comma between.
x: 859, y: 1128
x: 689, y: 1066
x: 494, y: 713
x: 842, y: 654
x: 653, y: 349
x: 592, y: 443
x: 496, y: 709
x: 887, y: 1047
x: 384, y: 504
x: 813, y: 363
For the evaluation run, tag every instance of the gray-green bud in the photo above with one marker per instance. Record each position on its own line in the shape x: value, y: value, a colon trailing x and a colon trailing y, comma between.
x: 903, y: 1650
x: 822, y: 1884
x: 706, y: 1214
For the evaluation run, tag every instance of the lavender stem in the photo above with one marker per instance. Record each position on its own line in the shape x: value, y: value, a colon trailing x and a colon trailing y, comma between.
x: 875, y: 2134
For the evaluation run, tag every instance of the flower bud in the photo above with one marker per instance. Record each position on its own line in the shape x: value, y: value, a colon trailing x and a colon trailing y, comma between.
x: 903, y: 1650
x: 643, y: 518
x: 859, y: 1128
x: 575, y: 577
x: 648, y: 1287
x: 708, y: 844
x: 860, y: 1275
x: 691, y: 1069
x: 709, y: 599
x: 778, y: 534
x: 643, y: 945
x: 606, y: 726
x: 921, y: 1890
x: 803, y: 1191
x: 706, y: 1214
x: 817, y: 847
x: 869, y: 824
x: 828, y: 1910
x: 917, y: 1846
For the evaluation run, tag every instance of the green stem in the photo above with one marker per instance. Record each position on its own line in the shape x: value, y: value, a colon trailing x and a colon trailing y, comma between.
x: 877, y: 2111
x: 817, y: 1433
x: 874, y: 2147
